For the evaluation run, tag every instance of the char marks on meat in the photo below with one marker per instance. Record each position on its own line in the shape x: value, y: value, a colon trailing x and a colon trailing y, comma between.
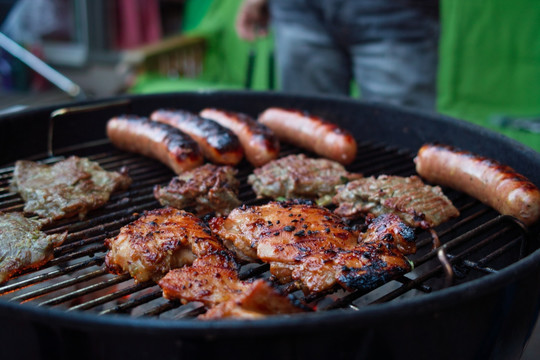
x: 23, y: 245
x: 208, y: 188
x: 67, y: 188
x: 160, y: 240
x: 312, y: 246
x: 218, y: 144
x: 417, y: 204
x: 258, y: 299
x: 297, y: 176
x: 213, y: 281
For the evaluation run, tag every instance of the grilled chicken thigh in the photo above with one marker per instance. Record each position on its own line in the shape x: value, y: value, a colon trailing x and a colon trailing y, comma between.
x: 158, y: 241
x: 213, y: 280
x: 257, y: 300
x: 179, y: 251
x: 312, y: 246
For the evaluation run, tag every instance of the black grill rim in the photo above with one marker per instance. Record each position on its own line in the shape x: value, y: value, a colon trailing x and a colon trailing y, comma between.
x: 440, y: 128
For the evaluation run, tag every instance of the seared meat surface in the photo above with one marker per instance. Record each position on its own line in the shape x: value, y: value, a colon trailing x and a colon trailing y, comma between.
x: 297, y: 176
x: 312, y: 246
x: 257, y: 300
x: 208, y: 188
x: 417, y: 204
x: 23, y: 245
x: 213, y: 280
x: 158, y: 241
x: 67, y: 188
x: 210, y: 280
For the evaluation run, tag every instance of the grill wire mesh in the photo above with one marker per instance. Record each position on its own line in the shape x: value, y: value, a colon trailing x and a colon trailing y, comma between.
x: 477, y: 243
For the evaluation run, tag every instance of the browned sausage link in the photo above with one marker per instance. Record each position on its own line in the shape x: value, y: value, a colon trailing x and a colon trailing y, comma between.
x: 159, y: 141
x: 311, y: 133
x: 259, y: 142
x: 219, y: 144
x: 494, y: 184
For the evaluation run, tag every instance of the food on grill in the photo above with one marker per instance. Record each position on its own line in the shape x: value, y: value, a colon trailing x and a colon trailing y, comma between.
x: 257, y: 300
x: 208, y: 188
x: 218, y: 144
x: 312, y: 133
x: 417, y: 204
x: 211, y: 272
x: 312, y: 246
x: 214, y: 282
x: 298, y: 176
x: 494, y: 184
x: 67, y: 188
x: 160, y: 240
x: 259, y: 142
x: 23, y: 245
x: 159, y: 141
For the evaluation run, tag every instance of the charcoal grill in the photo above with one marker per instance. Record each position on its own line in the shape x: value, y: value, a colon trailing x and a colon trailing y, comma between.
x: 476, y: 297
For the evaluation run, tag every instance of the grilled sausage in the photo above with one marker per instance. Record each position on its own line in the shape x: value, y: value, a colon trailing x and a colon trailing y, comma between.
x: 494, y: 184
x: 312, y: 133
x: 218, y: 144
x: 259, y: 142
x: 159, y: 141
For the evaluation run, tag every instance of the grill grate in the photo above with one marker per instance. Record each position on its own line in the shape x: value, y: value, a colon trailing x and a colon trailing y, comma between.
x: 478, y: 243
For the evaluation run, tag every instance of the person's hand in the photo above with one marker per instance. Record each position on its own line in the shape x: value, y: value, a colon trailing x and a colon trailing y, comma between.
x: 252, y: 19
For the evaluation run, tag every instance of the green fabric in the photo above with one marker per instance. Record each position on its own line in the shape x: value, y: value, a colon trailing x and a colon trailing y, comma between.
x: 194, y: 12
x: 490, y: 62
x: 226, y: 58
x: 227, y: 55
x: 156, y: 83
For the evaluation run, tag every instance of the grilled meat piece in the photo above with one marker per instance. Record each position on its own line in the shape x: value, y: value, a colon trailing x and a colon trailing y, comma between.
x: 218, y: 144
x: 67, y: 188
x: 417, y: 204
x: 158, y: 241
x: 23, y: 245
x: 297, y: 176
x: 258, y: 300
x: 312, y: 246
x: 208, y: 188
x: 259, y: 142
x: 159, y: 141
x: 213, y: 280
x: 210, y: 280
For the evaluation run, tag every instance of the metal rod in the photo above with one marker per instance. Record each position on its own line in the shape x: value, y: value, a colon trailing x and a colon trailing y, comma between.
x: 39, y: 66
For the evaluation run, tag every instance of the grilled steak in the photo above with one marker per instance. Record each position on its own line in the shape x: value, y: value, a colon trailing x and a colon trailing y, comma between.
x: 69, y: 187
x: 23, y: 245
x: 297, y: 176
x: 158, y: 241
x: 208, y: 188
x: 312, y: 246
x: 417, y: 204
x: 213, y: 280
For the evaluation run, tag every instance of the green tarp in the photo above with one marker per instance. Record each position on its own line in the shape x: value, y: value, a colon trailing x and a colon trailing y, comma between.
x: 489, y: 63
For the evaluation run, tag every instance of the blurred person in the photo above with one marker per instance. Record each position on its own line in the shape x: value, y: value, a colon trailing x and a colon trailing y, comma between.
x: 389, y: 47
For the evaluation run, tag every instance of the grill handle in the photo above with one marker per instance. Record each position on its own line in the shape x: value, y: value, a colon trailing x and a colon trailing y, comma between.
x: 64, y: 113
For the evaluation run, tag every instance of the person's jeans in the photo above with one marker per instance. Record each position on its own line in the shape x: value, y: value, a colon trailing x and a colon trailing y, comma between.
x: 388, y: 46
